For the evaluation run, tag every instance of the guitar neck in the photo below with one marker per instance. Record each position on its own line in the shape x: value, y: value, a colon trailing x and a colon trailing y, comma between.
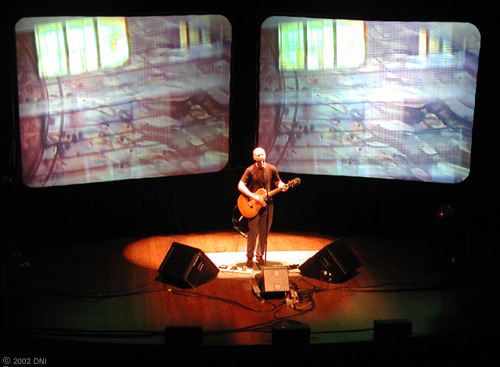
x: 273, y: 192
x: 290, y: 183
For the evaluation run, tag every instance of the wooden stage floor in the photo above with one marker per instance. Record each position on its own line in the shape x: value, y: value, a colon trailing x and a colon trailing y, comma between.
x: 106, y: 294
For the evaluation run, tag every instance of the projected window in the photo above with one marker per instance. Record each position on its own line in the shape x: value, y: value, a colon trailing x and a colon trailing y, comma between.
x: 82, y: 46
x: 321, y: 44
x: 79, y: 45
x: 114, y: 98
x: 359, y: 98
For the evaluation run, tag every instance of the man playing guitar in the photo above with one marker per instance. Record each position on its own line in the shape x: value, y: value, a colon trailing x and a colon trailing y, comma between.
x: 258, y: 176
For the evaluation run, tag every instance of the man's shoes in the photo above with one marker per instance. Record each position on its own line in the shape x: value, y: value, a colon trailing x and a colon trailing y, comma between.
x: 260, y: 261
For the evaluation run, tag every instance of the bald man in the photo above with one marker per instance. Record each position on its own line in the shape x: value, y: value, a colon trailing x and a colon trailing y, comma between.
x: 259, y: 175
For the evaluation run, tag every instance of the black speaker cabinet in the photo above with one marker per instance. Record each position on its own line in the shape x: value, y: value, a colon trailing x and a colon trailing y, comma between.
x: 332, y: 263
x: 186, y: 267
x: 274, y: 282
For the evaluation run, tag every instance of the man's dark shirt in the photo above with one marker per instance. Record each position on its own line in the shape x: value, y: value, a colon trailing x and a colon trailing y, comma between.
x: 255, y: 178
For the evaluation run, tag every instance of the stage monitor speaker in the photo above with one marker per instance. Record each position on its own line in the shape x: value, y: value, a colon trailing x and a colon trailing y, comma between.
x: 274, y: 282
x: 332, y: 264
x: 186, y: 267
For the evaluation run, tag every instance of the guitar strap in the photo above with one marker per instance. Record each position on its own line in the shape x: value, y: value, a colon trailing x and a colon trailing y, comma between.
x: 265, y: 180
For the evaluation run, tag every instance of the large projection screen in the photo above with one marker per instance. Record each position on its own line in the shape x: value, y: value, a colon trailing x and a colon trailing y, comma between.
x: 115, y: 98
x: 382, y: 99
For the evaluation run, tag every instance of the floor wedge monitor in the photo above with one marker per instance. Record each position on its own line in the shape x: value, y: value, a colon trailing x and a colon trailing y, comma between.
x: 332, y: 264
x: 186, y: 267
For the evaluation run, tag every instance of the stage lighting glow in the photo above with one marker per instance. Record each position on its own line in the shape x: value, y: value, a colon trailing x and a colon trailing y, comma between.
x: 114, y: 98
x: 383, y: 99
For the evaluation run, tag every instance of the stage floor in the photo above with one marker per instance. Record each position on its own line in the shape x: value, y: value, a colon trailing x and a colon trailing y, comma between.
x: 107, y: 292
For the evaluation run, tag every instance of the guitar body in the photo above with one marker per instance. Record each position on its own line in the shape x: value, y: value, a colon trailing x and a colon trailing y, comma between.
x: 249, y: 207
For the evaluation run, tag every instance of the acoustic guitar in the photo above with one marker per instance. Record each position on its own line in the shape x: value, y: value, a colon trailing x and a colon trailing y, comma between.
x: 249, y: 207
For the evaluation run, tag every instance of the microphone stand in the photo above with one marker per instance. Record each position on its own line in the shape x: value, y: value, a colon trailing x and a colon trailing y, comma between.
x: 267, y: 216
x: 267, y: 232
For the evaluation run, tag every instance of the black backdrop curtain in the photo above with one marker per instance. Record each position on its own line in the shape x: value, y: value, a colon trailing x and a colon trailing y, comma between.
x: 203, y: 203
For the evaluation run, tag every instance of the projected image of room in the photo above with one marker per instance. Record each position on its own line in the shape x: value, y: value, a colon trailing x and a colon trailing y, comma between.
x: 378, y: 99
x: 114, y: 98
